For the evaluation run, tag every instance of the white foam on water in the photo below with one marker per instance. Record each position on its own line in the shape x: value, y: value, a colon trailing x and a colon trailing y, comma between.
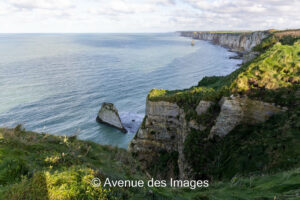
x: 131, y: 121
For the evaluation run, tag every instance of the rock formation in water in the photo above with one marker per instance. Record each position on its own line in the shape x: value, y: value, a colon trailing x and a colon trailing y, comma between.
x: 108, y: 114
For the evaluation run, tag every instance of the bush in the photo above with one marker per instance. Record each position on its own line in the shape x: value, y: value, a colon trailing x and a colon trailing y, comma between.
x: 248, y: 149
x: 12, y: 170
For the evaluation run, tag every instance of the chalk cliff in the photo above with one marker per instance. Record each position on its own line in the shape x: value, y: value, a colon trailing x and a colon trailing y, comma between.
x: 189, y: 132
x: 165, y: 128
x: 237, y: 110
x: 239, y: 41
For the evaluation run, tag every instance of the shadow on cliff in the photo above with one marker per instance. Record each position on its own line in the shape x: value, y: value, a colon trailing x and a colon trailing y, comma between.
x: 251, y: 149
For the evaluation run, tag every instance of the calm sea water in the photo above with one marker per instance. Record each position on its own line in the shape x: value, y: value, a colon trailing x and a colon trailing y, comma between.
x: 56, y: 83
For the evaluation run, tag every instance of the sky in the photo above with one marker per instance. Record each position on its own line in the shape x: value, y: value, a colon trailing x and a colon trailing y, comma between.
x: 115, y: 16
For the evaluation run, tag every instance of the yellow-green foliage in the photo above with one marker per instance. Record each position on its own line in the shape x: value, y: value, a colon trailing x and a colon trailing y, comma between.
x: 180, y: 95
x: 271, y: 77
x: 156, y: 93
x: 42, y: 166
x: 68, y: 184
x: 278, y: 67
x: 26, y: 173
x: 187, y: 99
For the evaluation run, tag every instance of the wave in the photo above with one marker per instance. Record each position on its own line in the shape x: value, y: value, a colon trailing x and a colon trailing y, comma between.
x: 131, y: 121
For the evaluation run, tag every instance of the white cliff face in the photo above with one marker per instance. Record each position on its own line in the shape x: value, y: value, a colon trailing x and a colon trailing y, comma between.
x: 164, y: 129
x: 203, y: 107
x: 108, y: 114
x: 242, y: 42
x: 237, y: 110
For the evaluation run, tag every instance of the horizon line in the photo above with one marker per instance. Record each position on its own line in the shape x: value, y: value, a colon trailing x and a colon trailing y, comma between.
x: 178, y: 31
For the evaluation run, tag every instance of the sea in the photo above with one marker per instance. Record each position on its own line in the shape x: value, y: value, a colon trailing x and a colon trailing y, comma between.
x: 56, y: 83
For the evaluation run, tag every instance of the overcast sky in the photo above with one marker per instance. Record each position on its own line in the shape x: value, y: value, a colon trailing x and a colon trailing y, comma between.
x: 24, y: 16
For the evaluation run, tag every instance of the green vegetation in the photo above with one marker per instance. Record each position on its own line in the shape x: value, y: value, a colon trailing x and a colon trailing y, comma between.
x: 263, y: 148
x: 165, y: 163
x: 187, y: 99
x: 280, y: 186
x: 42, y: 166
x: 273, y: 76
x: 45, y: 167
x: 288, y: 37
x: 273, y: 146
x: 254, y: 161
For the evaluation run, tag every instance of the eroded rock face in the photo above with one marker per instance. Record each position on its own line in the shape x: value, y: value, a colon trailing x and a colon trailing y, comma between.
x: 195, y: 125
x: 108, y: 114
x: 164, y: 129
x: 242, y: 42
x: 237, y: 110
x: 203, y: 107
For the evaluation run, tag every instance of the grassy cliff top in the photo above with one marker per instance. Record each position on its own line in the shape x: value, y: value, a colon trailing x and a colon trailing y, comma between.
x: 278, y: 67
x: 270, y: 77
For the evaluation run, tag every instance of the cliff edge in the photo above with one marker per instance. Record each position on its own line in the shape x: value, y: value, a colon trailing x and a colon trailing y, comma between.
x: 214, y: 129
x: 235, y: 41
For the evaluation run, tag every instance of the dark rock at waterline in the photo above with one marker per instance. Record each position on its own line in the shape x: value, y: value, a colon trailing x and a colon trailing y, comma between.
x: 108, y: 114
x: 235, y: 57
x: 238, y: 55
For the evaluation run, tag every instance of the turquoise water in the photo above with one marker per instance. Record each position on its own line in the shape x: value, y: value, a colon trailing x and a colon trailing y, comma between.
x: 56, y: 82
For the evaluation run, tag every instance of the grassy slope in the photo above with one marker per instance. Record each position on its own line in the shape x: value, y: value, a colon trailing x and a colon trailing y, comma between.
x: 284, y: 185
x: 277, y: 67
x: 32, y: 167
x: 36, y: 166
x: 274, y: 76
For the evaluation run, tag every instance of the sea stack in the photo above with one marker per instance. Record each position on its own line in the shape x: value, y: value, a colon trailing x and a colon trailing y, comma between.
x: 108, y: 114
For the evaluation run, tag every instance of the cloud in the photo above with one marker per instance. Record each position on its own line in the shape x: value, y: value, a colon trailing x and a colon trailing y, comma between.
x: 127, y: 7
x: 249, y: 14
x: 41, y: 4
x: 246, y: 7
x: 148, y: 15
x: 5, y: 9
x: 115, y: 8
x: 164, y: 2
